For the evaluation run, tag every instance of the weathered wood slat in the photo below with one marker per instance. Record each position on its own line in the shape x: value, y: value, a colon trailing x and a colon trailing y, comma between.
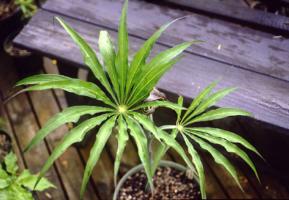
x: 232, y: 11
x: 25, y: 127
x: 265, y: 97
x: 224, y: 41
x: 69, y: 163
x: 15, y: 147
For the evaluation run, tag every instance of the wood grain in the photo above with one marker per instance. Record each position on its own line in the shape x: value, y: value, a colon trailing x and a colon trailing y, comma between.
x: 70, y: 162
x: 239, y: 46
x: 25, y: 126
x: 266, y: 97
x: 235, y: 12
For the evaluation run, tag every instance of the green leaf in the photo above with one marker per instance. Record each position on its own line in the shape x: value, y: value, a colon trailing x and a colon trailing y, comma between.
x: 200, y: 97
x: 71, y: 114
x: 155, y: 69
x: 170, y: 141
x: 141, y: 55
x: 15, y: 192
x: 179, y: 111
x: 107, y: 51
x: 211, y: 100
x: 122, y: 138
x: 146, y: 123
x: 230, y: 136
x: 28, y: 180
x: 76, y: 86
x: 100, y: 141
x: 74, y: 135
x: 198, y: 164
x: 142, y: 91
x: 161, y: 151
x: 142, y: 146
x: 166, y: 104
x: 5, y: 180
x: 230, y: 147
x: 89, y: 55
x: 10, y: 161
x: 219, y: 114
x: 122, y: 54
x: 42, y: 78
x: 219, y: 158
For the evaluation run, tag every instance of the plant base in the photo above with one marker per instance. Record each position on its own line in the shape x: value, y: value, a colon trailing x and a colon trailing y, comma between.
x: 169, y: 182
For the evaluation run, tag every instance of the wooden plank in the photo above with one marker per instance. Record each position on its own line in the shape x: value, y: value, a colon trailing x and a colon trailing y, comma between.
x: 15, y: 147
x: 25, y: 126
x: 232, y: 11
x: 45, y: 107
x: 264, y: 96
x: 227, y: 42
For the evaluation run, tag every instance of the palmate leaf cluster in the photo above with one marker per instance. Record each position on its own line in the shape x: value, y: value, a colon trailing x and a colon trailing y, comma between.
x: 18, y: 186
x: 126, y: 87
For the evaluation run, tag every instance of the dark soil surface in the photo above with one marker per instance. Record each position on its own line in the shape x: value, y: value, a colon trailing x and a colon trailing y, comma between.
x: 6, y: 8
x: 5, y: 145
x: 169, y: 184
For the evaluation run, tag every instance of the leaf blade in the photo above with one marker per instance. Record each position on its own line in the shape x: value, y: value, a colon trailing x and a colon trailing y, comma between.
x: 122, y: 139
x: 142, y: 54
x: 70, y: 114
x: 230, y: 136
x: 198, y: 164
x: 166, y: 104
x: 219, y: 158
x: 231, y: 148
x: 89, y: 55
x: 211, y: 100
x: 220, y: 113
x: 122, y: 54
x: 203, y: 94
x: 75, y: 135
x: 142, y: 144
x: 75, y: 86
x: 108, y: 53
x: 100, y: 141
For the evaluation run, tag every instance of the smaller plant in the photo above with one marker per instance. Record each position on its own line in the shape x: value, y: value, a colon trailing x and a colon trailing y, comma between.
x: 18, y: 187
x: 28, y: 7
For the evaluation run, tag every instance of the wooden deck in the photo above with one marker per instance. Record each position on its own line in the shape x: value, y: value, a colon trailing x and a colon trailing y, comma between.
x: 254, y: 61
x: 26, y: 113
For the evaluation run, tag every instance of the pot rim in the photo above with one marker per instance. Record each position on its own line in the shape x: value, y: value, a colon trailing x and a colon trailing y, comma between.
x: 163, y: 163
x: 15, y: 12
x: 8, y: 42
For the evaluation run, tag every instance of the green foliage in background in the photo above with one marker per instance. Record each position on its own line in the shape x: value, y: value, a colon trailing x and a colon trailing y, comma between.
x: 125, y: 87
x: 28, y: 7
x: 14, y: 186
x: 2, y: 124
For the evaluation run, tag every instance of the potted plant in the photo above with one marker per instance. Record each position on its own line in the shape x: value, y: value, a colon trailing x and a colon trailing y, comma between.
x: 13, y: 15
x: 5, y: 141
x: 19, y: 186
x: 124, y: 89
x: 20, y: 57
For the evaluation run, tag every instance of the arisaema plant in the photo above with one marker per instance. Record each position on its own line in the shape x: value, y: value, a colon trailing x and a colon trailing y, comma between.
x: 192, y: 135
x: 125, y: 87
